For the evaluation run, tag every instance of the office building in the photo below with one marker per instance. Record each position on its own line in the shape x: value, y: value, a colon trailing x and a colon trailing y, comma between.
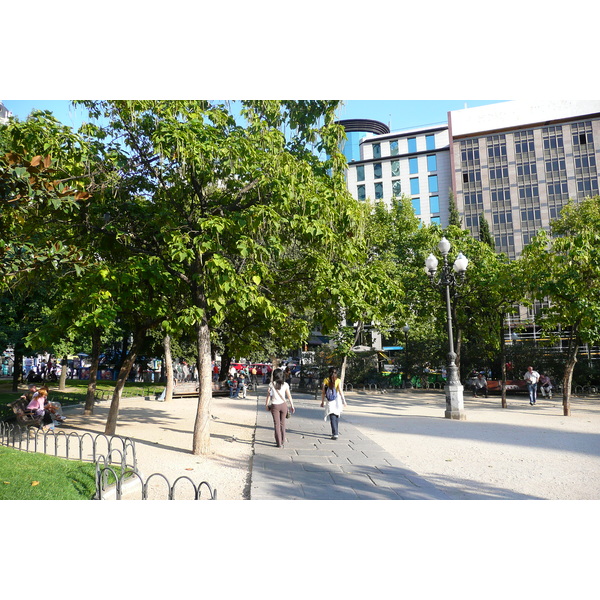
x: 413, y: 162
x: 5, y: 114
x: 520, y: 162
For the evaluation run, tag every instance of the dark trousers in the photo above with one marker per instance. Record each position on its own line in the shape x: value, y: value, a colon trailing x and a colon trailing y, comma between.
x: 334, y: 424
x: 279, y: 411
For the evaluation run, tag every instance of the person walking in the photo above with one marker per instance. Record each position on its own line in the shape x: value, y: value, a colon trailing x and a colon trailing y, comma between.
x: 532, y: 377
x: 332, y: 398
x: 276, y: 402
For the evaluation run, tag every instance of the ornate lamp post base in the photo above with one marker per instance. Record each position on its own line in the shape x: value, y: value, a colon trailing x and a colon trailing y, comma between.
x: 455, y: 408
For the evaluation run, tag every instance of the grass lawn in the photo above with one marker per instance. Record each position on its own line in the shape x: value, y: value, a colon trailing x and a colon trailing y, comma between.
x: 75, y: 392
x: 32, y: 476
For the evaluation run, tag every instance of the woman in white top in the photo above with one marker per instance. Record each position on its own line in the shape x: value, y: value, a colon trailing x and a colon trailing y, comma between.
x: 276, y: 403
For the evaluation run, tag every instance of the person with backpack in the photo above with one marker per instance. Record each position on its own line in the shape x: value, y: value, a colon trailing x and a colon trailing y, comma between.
x: 332, y: 398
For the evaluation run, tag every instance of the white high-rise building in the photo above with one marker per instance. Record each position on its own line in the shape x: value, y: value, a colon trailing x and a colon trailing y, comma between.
x: 413, y: 162
x: 5, y: 114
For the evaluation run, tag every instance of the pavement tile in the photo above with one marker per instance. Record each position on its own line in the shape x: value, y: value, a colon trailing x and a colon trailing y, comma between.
x: 312, y: 477
x: 377, y: 493
x: 328, y: 492
x: 342, y: 461
x: 352, y: 480
x: 317, y: 460
x: 325, y: 468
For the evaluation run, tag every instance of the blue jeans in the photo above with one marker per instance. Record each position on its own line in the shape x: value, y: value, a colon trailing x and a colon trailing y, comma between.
x: 532, y: 387
x: 334, y: 423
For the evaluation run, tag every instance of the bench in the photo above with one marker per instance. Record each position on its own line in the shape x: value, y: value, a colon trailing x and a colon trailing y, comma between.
x: 495, y: 387
x: 25, y: 418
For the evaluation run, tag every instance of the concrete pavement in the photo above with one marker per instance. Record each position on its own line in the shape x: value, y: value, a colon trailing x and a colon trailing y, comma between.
x: 312, y: 466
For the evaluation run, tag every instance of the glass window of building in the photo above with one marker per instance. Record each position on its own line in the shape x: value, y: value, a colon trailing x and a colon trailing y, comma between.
x: 412, y: 144
x: 416, y: 204
x: 395, y: 168
x: 430, y: 142
x: 413, y: 165
x: 434, y: 204
x: 587, y: 187
x: 582, y: 133
x: 433, y: 183
x: 524, y: 142
x: 414, y: 186
x: 436, y: 220
x: 377, y: 171
x: 469, y: 153
x: 394, y: 147
x: 376, y: 150
x: 432, y: 162
x: 396, y: 189
x: 360, y: 192
x: 378, y: 191
x: 360, y: 173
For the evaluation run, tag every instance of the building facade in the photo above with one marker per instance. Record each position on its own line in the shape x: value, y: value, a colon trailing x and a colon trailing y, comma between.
x: 517, y: 163
x: 5, y: 114
x: 520, y: 162
x: 414, y: 162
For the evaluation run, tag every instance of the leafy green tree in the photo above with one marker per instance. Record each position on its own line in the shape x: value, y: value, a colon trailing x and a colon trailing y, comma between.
x: 454, y: 215
x: 485, y: 235
x: 564, y: 268
x: 44, y: 175
x: 233, y: 211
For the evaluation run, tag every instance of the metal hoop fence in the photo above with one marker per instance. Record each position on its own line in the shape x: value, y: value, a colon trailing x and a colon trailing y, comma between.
x: 72, y: 445
x: 129, y: 477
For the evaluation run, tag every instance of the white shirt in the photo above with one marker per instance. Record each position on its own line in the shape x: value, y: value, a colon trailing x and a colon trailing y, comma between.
x: 531, y: 377
x: 278, y: 396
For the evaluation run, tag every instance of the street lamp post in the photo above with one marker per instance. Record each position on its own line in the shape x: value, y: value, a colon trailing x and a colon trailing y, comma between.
x: 406, y: 328
x: 446, y: 280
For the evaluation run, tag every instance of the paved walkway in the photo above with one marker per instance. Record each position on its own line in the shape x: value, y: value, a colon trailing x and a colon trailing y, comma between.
x: 312, y: 466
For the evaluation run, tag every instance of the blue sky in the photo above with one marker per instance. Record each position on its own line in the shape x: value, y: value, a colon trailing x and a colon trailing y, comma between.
x: 402, y: 114
x: 398, y: 114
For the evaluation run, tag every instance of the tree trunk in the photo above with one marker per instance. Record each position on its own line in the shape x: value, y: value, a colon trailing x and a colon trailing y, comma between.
x: 457, y: 339
x: 458, y: 332
x: 113, y: 413
x: 64, y: 367
x: 91, y: 388
x: 357, y: 334
x: 168, y: 368
x: 225, y: 362
x: 503, y: 362
x: 568, y: 374
x: 17, y: 368
x: 201, y: 439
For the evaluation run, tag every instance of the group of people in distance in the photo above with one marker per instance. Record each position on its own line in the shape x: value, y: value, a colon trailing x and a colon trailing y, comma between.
x: 279, y: 394
x: 40, y: 405
x: 531, y: 377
